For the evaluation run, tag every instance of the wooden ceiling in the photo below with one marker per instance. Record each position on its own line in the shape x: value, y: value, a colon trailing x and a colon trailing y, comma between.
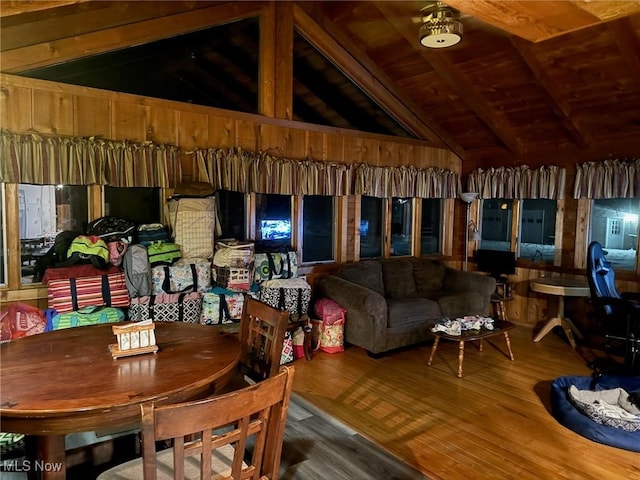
x: 529, y: 80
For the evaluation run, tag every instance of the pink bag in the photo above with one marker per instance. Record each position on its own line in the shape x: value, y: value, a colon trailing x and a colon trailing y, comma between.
x: 329, y: 330
x: 21, y: 320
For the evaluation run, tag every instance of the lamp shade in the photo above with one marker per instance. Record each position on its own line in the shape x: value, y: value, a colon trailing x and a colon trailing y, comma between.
x: 468, y: 197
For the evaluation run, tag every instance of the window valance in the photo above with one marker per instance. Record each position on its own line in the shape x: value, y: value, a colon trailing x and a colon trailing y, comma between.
x: 618, y: 178
x: 51, y: 160
x: 243, y: 171
x: 518, y: 182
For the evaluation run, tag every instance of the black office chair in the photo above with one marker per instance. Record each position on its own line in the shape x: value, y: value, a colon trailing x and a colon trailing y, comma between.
x: 617, y: 314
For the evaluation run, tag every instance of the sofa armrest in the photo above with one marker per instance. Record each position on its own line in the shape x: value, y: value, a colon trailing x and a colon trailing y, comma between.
x: 366, y: 319
x: 461, y: 281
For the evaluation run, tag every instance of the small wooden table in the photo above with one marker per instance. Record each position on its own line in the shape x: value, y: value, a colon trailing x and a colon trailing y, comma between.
x: 66, y: 381
x: 500, y: 328
x: 560, y: 287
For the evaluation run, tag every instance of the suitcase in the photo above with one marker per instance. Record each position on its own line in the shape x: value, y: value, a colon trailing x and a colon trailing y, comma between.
x: 66, y: 295
x: 293, y: 294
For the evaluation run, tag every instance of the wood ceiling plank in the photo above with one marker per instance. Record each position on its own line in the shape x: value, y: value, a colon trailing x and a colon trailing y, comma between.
x: 559, y: 105
x: 30, y: 29
x: 17, y: 7
x: 58, y: 51
x: 628, y: 43
x: 368, y: 77
x: 539, y: 20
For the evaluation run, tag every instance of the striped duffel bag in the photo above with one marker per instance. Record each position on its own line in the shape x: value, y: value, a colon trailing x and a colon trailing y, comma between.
x: 69, y: 294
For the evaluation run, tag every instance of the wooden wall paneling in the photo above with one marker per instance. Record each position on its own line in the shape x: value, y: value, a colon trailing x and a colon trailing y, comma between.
x: 316, y: 146
x: 96, y: 205
x: 296, y: 219
x: 283, y: 85
x: 91, y: 116
x: 581, y: 239
x: 271, y: 139
x: 342, y: 225
x: 12, y: 219
x: 193, y: 131
x: 295, y: 143
x: 16, y: 111
x: 351, y: 241
x: 267, y: 61
x: 222, y: 132
x: 558, y: 234
x: 162, y: 125
x: 54, y: 112
x: 389, y: 153
x: 334, y: 148
x: 415, y: 228
x: 354, y: 151
x: 447, y: 226
x: 129, y: 121
x: 247, y: 135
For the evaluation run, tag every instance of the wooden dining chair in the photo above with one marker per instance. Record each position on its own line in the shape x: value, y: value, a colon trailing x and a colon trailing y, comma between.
x: 231, y: 436
x: 262, y: 331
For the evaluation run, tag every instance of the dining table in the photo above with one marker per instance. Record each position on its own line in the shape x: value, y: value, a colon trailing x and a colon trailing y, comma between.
x: 67, y: 381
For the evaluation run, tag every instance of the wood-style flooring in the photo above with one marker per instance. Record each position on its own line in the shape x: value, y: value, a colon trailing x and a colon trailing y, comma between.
x: 494, y: 423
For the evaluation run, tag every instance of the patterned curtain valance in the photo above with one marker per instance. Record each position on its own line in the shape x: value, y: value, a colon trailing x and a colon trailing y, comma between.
x: 619, y: 178
x: 238, y: 170
x: 518, y: 182
x: 52, y: 160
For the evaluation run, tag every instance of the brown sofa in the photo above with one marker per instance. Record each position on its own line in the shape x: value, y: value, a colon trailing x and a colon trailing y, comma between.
x: 391, y: 303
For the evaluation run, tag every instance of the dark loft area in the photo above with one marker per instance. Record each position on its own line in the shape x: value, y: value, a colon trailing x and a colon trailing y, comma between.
x: 218, y: 67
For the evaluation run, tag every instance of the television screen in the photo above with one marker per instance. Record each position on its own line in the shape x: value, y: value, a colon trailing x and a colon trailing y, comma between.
x: 275, y: 229
x: 496, y: 262
x: 364, y: 227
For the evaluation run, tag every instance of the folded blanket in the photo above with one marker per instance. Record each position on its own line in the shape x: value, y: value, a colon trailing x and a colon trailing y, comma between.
x: 607, y: 407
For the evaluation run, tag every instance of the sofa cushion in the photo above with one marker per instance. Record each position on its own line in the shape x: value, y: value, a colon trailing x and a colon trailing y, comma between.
x: 367, y: 274
x: 458, y: 304
x: 404, y: 311
x: 428, y: 274
x: 398, y: 278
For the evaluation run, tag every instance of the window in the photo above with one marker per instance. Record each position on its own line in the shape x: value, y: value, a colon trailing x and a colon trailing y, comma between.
x: 317, y: 228
x: 45, y: 211
x: 136, y: 204
x: 401, y: 226
x: 497, y: 215
x: 430, y: 226
x: 273, y: 218
x: 3, y: 238
x: 614, y: 223
x: 371, y: 227
x: 537, y: 230
x: 231, y: 214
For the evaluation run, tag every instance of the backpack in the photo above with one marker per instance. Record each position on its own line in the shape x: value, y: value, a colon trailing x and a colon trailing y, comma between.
x: 163, y: 253
x: 137, y: 271
x: 87, y: 249
x: 112, y: 228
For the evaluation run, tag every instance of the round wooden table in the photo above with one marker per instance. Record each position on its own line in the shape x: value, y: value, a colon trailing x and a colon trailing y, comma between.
x: 560, y: 287
x: 66, y: 381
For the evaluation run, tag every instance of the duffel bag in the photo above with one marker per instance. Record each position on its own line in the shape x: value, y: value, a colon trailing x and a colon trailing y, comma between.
x: 163, y: 253
x: 220, y: 305
x: 193, y: 275
x: 66, y: 295
x: 167, y: 307
x: 85, y: 316
x: 293, y: 294
x: 152, y: 232
x: 269, y: 266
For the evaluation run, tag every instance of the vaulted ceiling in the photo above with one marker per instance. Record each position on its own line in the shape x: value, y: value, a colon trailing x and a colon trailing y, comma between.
x: 529, y: 78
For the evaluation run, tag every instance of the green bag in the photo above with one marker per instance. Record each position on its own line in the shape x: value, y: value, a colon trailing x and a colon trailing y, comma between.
x: 86, y: 316
x: 163, y: 253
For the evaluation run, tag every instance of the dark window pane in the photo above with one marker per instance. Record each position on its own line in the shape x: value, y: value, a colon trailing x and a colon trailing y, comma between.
x: 430, y: 226
x: 231, y: 214
x: 371, y: 227
x: 401, y: 226
x: 537, y: 230
x: 317, y: 229
x: 497, y: 215
x: 137, y: 204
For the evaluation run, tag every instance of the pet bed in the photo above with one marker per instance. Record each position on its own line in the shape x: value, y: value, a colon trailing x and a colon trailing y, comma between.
x: 572, y: 417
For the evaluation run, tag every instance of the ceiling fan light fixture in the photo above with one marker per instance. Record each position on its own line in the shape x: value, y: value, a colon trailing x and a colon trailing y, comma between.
x: 441, y: 27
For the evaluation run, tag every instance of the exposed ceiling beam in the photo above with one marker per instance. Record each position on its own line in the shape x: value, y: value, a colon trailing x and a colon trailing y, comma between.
x: 101, y: 41
x: 557, y: 102
x: 17, y: 7
x: 372, y: 81
x: 628, y: 43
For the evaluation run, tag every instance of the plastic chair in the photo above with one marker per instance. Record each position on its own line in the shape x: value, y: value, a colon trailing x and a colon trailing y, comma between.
x: 617, y: 314
x: 210, y: 437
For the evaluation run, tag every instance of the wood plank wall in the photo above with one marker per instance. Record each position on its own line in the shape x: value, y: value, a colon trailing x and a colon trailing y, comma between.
x: 54, y: 108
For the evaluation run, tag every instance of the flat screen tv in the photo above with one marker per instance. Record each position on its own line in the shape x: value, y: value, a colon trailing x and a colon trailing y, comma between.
x: 496, y: 262
x: 275, y: 229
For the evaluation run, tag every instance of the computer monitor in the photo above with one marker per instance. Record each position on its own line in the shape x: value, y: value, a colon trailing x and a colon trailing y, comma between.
x: 496, y: 262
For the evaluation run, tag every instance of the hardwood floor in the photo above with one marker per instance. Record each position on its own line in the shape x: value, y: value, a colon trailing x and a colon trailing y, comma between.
x: 494, y: 423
